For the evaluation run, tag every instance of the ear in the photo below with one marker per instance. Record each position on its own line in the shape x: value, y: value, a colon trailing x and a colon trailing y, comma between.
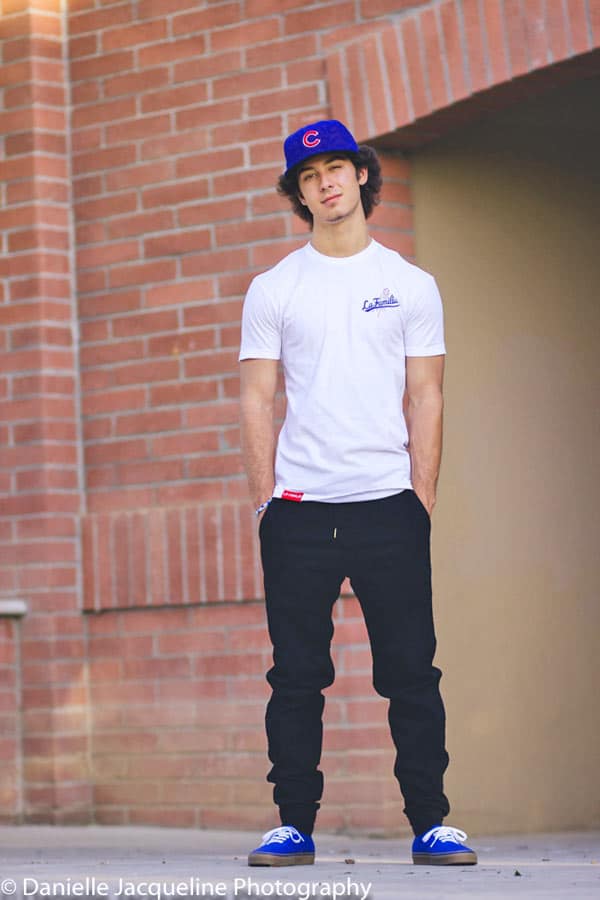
x: 301, y: 199
x: 363, y: 176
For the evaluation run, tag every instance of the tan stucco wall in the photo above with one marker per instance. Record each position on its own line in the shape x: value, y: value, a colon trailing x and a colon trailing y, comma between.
x: 507, y: 220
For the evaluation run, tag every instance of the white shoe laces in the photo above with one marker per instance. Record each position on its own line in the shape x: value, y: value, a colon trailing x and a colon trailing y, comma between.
x: 444, y: 834
x: 282, y: 834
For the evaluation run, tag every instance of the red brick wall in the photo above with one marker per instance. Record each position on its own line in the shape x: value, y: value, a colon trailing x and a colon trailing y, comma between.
x: 175, y: 155
x: 140, y: 143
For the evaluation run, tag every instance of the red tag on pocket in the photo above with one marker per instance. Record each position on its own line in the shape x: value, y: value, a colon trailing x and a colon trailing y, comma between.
x: 293, y: 495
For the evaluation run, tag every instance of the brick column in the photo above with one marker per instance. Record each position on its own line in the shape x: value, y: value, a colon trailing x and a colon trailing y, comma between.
x: 40, y: 486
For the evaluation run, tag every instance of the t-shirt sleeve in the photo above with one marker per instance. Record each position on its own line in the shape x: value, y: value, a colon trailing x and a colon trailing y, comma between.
x: 424, y: 330
x: 261, y: 332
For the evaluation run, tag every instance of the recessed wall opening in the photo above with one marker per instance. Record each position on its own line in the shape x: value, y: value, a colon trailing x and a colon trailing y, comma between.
x: 506, y: 217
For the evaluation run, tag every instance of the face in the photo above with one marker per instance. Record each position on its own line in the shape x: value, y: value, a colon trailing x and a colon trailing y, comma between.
x: 329, y: 187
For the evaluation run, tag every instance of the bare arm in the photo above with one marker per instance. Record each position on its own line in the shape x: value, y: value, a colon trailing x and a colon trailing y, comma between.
x: 258, y: 384
x: 424, y: 379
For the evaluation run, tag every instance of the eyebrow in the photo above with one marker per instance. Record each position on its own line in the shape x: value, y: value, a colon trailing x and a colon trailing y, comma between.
x: 332, y: 158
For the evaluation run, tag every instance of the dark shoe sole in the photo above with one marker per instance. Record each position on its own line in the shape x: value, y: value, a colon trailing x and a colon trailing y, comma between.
x: 280, y: 859
x: 445, y: 859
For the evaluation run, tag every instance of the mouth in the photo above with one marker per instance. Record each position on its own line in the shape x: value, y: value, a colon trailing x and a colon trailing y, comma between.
x: 331, y: 199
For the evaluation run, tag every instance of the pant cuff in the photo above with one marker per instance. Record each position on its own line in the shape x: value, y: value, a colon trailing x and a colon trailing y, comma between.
x: 301, y: 815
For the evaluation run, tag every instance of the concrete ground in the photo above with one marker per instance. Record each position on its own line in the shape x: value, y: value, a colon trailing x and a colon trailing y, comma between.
x: 95, y: 861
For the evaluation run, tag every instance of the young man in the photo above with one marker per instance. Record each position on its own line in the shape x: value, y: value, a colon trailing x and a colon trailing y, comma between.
x: 350, y: 487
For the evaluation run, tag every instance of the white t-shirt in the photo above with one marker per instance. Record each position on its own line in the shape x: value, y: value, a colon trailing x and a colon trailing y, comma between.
x: 342, y: 328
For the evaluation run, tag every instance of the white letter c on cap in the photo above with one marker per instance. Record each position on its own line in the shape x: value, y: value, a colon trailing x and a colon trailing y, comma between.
x: 311, y: 139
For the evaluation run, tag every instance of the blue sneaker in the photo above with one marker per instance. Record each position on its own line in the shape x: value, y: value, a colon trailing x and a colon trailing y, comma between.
x: 284, y: 846
x: 442, y: 846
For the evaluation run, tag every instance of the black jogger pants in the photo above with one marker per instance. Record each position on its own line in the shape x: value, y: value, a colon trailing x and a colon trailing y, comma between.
x: 307, y: 550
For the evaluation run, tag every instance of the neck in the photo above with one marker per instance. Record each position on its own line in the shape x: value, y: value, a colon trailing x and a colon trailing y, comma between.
x: 341, y: 238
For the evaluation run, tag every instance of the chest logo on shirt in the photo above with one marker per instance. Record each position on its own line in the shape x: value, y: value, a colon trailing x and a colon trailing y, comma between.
x: 386, y: 301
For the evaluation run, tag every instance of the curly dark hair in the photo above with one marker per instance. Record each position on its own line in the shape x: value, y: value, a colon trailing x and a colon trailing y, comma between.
x: 366, y: 158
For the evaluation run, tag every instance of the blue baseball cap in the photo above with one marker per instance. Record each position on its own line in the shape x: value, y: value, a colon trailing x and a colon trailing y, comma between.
x: 328, y: 136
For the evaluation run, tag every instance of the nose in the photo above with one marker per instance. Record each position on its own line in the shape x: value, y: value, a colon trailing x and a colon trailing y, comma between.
x: 325, y: 182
